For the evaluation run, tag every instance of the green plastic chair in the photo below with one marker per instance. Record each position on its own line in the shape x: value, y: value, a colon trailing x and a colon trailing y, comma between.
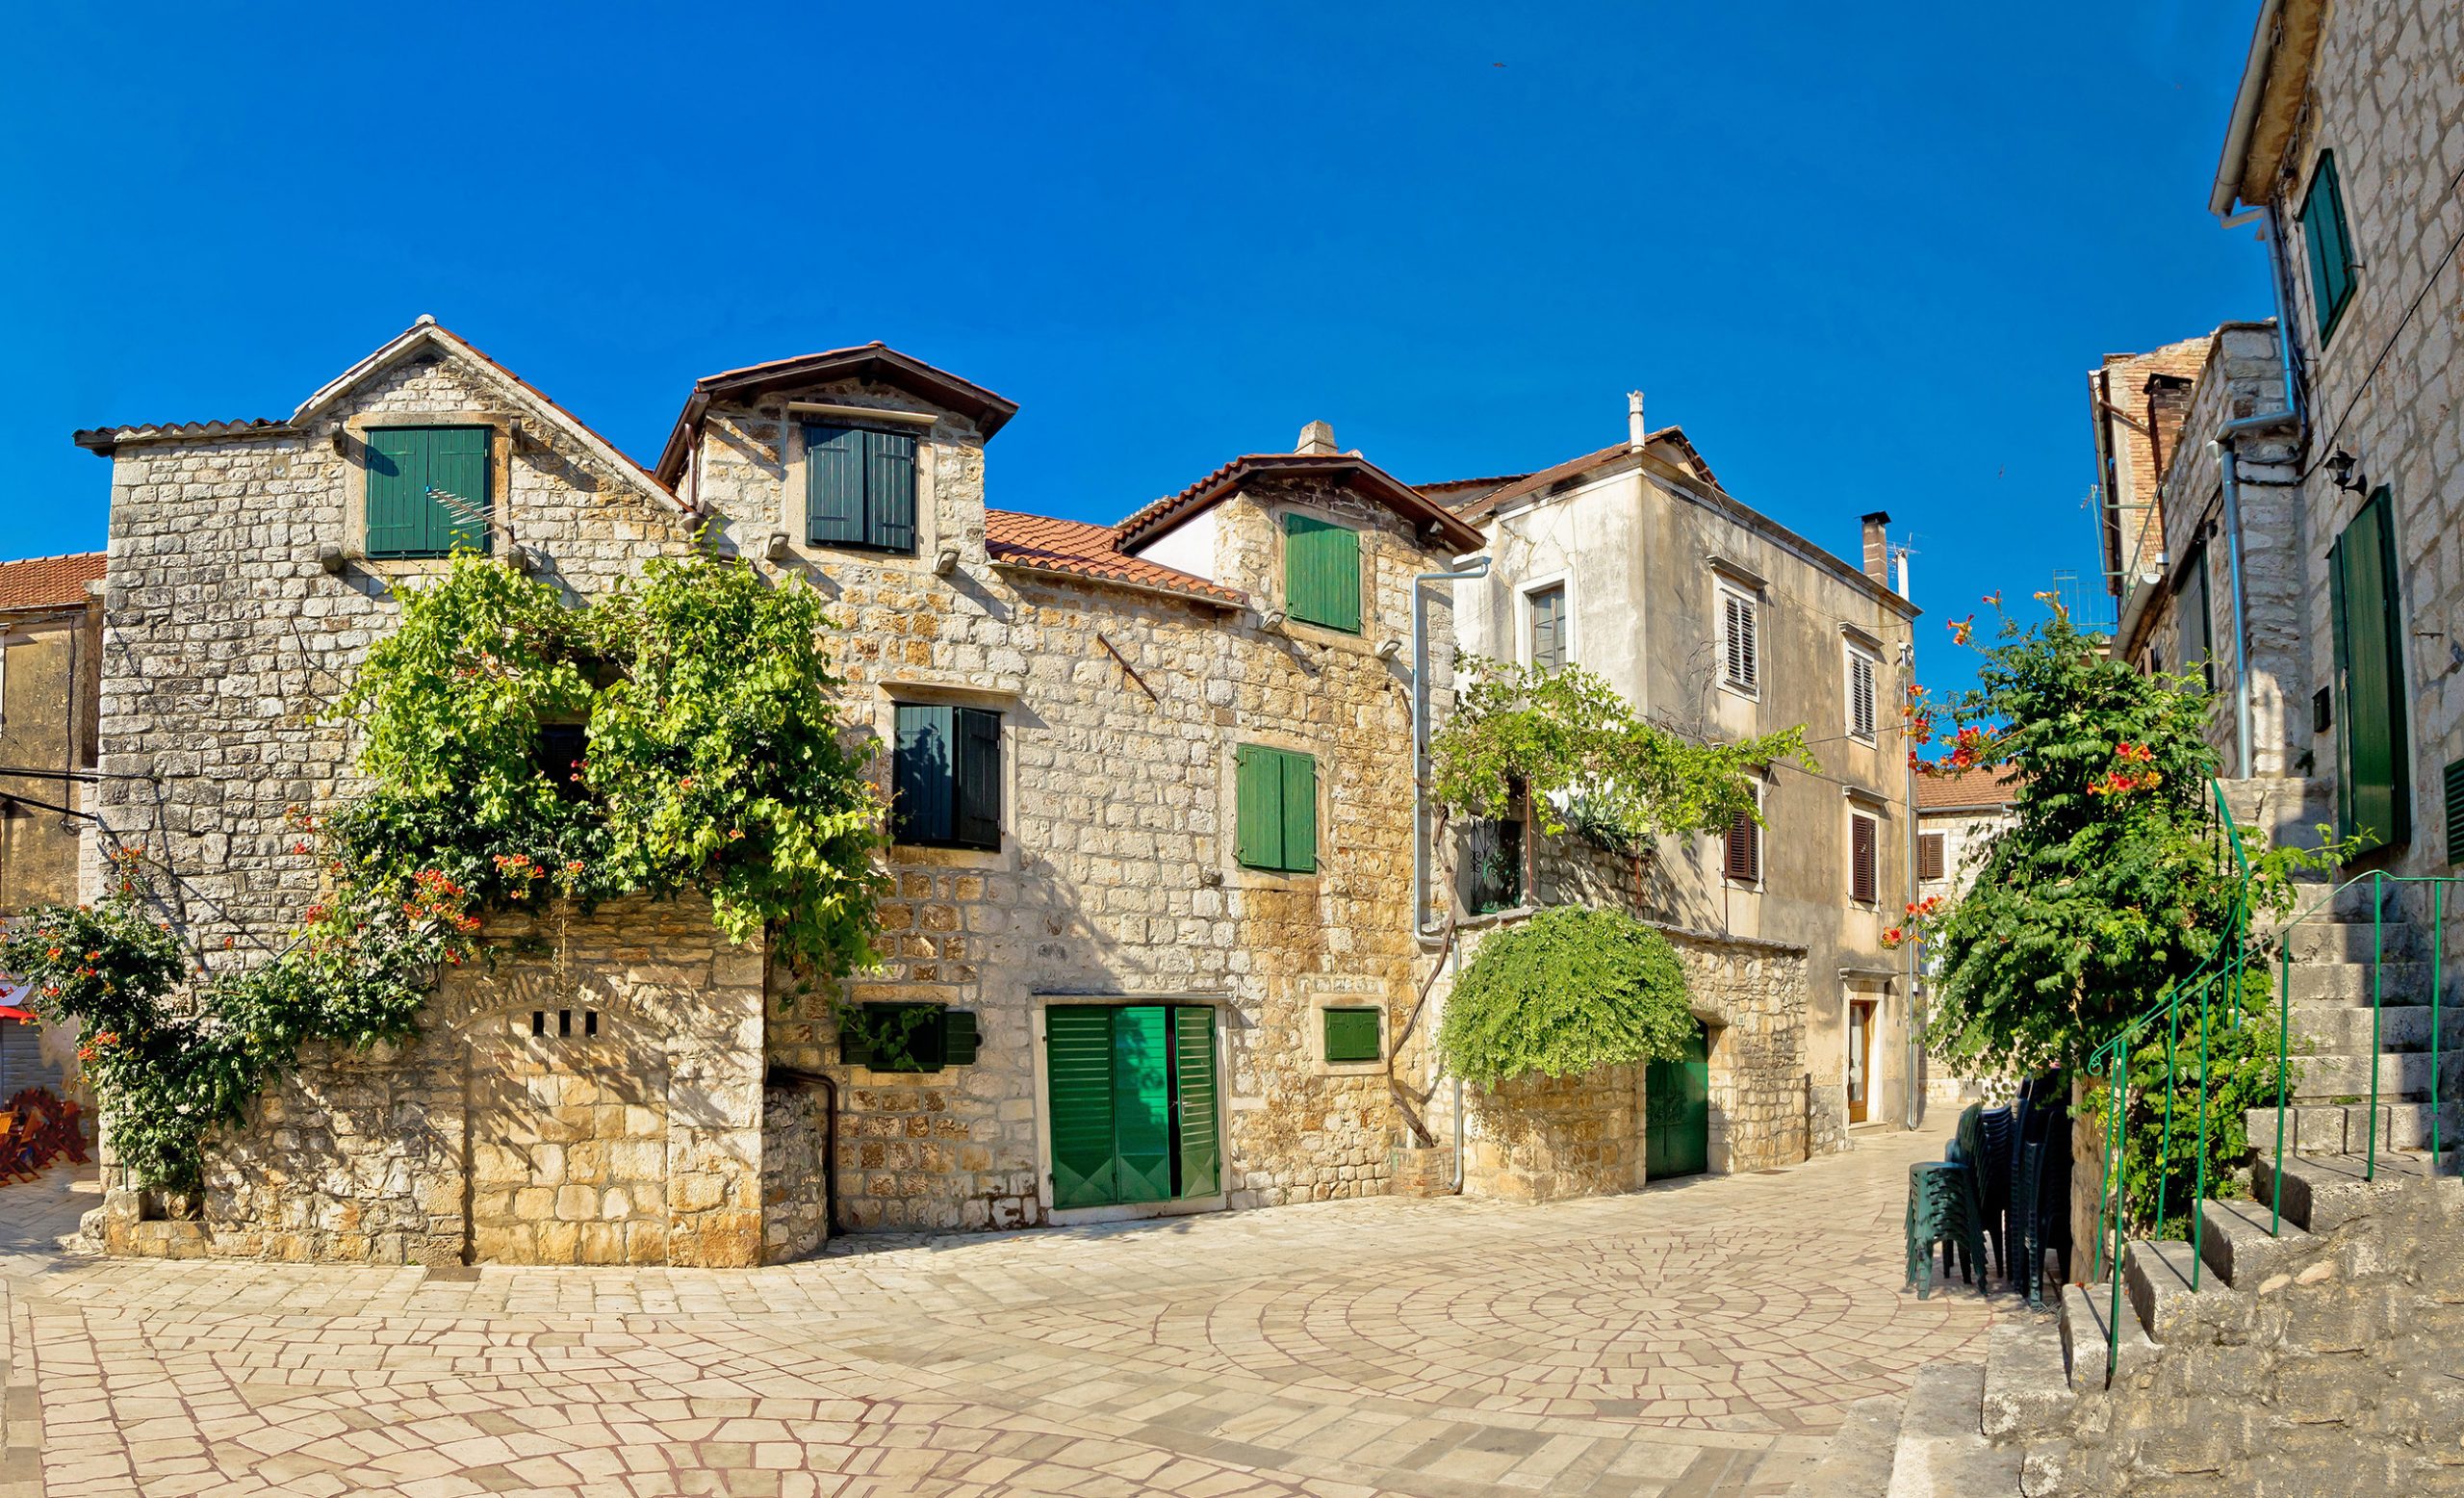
x: 1938, y: 1194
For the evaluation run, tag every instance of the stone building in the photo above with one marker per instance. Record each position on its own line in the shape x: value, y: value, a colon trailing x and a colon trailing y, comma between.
x: 2135, y: 403
x: 1718, y: 623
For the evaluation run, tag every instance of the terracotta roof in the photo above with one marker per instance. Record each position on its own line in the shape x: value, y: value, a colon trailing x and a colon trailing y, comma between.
x: 1079, y: 550
x: 1506, y: 493
x: 1345, y: 468
x: 48, y: 582
x: 1985, y: 786
x: 1457, y: 493
x: 874, y: 361
x: 103, y: 439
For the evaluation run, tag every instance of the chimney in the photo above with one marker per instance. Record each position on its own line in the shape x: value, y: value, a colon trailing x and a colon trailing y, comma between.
x: 1634, y: 428
x: 1317, y: 439
x: 1877, y: 547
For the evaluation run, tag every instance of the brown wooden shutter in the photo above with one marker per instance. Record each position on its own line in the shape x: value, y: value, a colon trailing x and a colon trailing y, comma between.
x: 1864, y: 882
x: 1929, y: 854
x: 1744, y: 860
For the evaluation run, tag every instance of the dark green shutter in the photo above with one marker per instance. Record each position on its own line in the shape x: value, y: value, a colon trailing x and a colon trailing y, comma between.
x: 1258, y: 806
x: 1299, y: 814
x: 889, y: 490
x: 2373, y: 792
x: 959, y: 1037
x: 1352, y: 1035
x: 833, y: 486
x: 922, y: 774
x: 427, y: 490
x: 854, y: 1039
x: 1193, y: 1096
x: 1141, y: 1103
x: 2197, y: 622
x: 2455, y: 787
x: 1078, y: 1042
x: 976, y: 816
x: 1321, y: 572
x: 2327, y: 235
x: 899, y: 1037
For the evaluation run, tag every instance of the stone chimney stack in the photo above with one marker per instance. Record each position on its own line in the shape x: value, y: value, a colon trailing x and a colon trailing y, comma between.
x: 1317, y: 440
x: 1877, y: 547
x: 1635, y: 430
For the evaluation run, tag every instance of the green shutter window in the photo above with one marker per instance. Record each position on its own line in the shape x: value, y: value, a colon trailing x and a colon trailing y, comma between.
x: 1321, y: 572
x: 959, y: 1038
x: 1274, y: 809
x: 902, y: 1037
x: 2372, y: 790
x: 2328, y: 238
x: 859, y: 488
x: 946, y: 777
x: 1078, y: 1044
x: 1142, y: 1103
x: 1549, y: 628
x: 1193, y: 1102
x: 2454, y: 786
x: 1352, y: 1035
x: 427, y: 490
x: 2197, y: 621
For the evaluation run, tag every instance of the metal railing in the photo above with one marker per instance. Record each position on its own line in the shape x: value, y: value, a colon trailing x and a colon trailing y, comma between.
x: 2222, y: 975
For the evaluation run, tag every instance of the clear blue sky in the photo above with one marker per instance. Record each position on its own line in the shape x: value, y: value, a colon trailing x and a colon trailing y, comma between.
x: 1864, y: 257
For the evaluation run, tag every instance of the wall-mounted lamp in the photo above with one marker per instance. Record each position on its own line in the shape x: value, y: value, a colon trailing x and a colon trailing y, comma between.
x: 2342, y: 467
x: 946, y: 562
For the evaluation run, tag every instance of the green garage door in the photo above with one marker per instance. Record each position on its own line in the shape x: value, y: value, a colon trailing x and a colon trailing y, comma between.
x: 1133, y: 1101
x: 1677, y: 1112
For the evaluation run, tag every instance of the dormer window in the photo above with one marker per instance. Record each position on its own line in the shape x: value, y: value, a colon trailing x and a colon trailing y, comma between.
x: 1321, y: 572
x: 427, y: 490
x: 860, y: 487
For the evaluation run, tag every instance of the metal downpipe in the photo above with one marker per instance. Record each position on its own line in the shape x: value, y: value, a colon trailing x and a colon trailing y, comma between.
x: 1478, y: 568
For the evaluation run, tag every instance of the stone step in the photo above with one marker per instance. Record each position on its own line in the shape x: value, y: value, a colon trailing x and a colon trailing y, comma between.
x: 2403, y: 1076
x: 2086, y: 1311
x: 2284, y: 813
x: 2359, y: 982
x: 2156, y: 1277
x: 2344, y: 1029
x: 2331, y: 1129
x: 2240, y: 1248
x: 2027, y: 1391
x: 1857, y: 1464
x: 2322, y: 1192
x: 1943, y: 1451
x: 2315, y: 940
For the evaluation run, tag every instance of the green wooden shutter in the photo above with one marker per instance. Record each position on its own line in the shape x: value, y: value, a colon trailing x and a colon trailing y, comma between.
x: 457, y: 488
x: 2327, y: 236
x: 1141, y: 1103
x: 922, y: 774
x: 2452, y: 783
x: 1299, y: 814
x: 1352, y: 1035
x: 2372, y: 793
x: 1321, y: 572
x: 1258, y: 806
x: 397, y: 464
x: 1078, y: 1044
x: 2198, y: 624
x: 1193, y: 1096
x: 889, y: 490
x: 854, y: 1040
x: 959, y: 1037
x: 976, y: 811
x: 833, y: 486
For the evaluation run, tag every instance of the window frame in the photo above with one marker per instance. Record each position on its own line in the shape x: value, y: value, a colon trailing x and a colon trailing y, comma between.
x: 1858, y: 656
x: 1728, y: 596
x: 2331, y: 289
x: 1933, y: 851
x: 960, y: 715
x: 1474, y: 830
x: 360, y: 429
x: 1526, y: 626
x: 1869, y: 867
x: 807, y: 422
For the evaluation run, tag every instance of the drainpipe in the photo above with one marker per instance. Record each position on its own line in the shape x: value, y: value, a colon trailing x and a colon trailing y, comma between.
x: 1913, y: 1107
x: 2226, y: 436
x: 1477, y: 568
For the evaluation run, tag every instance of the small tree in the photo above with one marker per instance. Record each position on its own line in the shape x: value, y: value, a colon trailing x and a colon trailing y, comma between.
x: 1570, y: 992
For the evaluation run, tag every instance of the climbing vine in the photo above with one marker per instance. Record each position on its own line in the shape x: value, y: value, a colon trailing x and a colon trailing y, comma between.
x: 681, y: 734
x: 1569, y: 992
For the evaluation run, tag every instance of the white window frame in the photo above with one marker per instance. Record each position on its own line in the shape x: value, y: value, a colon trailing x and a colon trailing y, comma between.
x: 1523, y: 639
x: 1873, y: 664
x: 1724, y: 593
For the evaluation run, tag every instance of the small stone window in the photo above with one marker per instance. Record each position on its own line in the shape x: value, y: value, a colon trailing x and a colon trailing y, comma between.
x: 1354, y: 1035
x: 907, y: 1037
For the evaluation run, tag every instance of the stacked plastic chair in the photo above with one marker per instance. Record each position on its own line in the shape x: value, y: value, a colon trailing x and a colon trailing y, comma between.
x: 1939, y: 1193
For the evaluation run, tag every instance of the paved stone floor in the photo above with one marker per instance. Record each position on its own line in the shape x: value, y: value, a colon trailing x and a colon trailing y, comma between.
x: 1697, y: 1339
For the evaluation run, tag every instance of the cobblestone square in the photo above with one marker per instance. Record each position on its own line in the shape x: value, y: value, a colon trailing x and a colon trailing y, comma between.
x: 1696, y: 1338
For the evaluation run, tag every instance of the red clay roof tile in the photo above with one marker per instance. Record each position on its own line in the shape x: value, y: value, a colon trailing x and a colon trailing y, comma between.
x: 48, y: 582
x: 1077, y: 549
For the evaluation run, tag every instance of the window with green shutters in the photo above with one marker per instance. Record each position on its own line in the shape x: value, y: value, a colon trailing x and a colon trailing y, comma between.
x: 1321, y: 572
x: 1275, y: 809
x: 2374, y: 792
x: 2328, y: 238
x: 427, y: 490
x: 859, y: 488
x: 2198, y: 618
x: 946, y: 777
x: 1352, y: 1035
x: 906, y: 1038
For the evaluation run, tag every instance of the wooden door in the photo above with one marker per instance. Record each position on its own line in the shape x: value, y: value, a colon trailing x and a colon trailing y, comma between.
x: 2373, y: 786
x: 1860, y: 1059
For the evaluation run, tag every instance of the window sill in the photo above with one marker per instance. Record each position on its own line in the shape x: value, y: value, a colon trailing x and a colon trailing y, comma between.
x: 927, y: 855
x: 1498, y: 917
x: 1749, y: 693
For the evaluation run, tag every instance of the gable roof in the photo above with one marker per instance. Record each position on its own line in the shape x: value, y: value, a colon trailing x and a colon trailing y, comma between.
x: 1079, y: 550
x: 48, y: 582
x: 1507, y: 492
x: 1985, y: 788
x: 1349, y: 469
x: 873, y: 361
x: 424, y: 334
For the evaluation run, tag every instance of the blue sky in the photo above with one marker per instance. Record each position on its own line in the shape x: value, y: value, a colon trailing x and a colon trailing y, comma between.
x: 1864, y: 257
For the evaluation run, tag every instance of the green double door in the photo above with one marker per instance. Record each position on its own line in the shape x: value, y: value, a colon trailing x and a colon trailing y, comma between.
x: 2373, y: 783
x: 1677, y: 1111
x: 1133, y: 1103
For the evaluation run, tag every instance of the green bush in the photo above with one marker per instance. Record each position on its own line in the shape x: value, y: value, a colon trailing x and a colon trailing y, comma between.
x: 1570, y: 992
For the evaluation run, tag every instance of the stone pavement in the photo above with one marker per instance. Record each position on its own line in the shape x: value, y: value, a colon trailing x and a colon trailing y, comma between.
x: 1697, y: 1339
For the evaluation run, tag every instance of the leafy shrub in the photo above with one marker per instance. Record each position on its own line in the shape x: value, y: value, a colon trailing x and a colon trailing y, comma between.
x: 1569, y: 992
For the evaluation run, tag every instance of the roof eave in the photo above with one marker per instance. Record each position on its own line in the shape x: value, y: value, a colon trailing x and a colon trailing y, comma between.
x: 1091, y: 580
x: 2229, y: 169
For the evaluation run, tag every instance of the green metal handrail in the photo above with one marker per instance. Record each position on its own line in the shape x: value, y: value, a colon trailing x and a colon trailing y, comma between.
x: 2230, y: 958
